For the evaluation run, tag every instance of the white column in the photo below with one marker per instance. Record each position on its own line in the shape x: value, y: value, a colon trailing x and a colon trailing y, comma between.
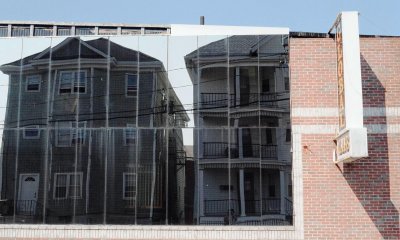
x: 242, y: 197
x: 282, y: 184
x: 201, y: 193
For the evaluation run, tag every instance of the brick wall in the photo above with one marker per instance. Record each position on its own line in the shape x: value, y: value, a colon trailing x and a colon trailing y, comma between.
x: 358, y: 200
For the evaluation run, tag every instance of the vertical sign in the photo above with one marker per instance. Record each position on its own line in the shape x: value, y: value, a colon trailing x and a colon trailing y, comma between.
x: 351, y: 141
x: 340, y: 71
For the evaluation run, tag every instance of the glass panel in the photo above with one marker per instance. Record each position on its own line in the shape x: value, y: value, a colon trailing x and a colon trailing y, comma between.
x: 107, y: 31
x: 63, y: 31
x: 4, y: 31
x: 275, y: 166
x: 121, y: 121
x: 43, y: 31
x: 20, y: 31
x: 154, y: 100
x: 84, y: 31
x: 131, y: 31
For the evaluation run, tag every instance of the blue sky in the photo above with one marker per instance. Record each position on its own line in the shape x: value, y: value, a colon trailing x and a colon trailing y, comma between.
x: 377, y: 16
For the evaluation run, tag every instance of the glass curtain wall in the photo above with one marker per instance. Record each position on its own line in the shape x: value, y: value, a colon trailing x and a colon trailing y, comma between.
x: 145, y: 130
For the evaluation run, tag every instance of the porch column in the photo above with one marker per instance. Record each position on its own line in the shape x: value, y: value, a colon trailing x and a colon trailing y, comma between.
x: 201, y: 193
x: 240, y: 139
x: 283, y: 191
x: 242, y: 197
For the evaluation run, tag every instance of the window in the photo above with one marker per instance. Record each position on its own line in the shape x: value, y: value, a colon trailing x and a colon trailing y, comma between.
x: 33, y: 83
x: 271, y: 190
x: 60, y: 186
x: 69, y: 133
x: 287, y: 84
x: 67, y: 185
x: 131, y: 85
x: 288, y: 135
x: 31, y: 132
x: 63, y: 134
x: 130, y: 134
x: 129, y: 186
x: 78, y: 132
x: 270, y: 136
x: 265, y: 85
x: 72, y: 82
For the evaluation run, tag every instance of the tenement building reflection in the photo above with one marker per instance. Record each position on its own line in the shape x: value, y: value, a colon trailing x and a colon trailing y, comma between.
x: 147, y: 130
x: 242, y: 138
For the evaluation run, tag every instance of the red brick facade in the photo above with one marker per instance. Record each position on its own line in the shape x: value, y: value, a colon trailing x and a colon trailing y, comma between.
x: 359, y: 200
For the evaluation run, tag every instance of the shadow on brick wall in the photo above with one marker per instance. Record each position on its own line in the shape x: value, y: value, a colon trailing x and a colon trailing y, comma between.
x: 369, y: 177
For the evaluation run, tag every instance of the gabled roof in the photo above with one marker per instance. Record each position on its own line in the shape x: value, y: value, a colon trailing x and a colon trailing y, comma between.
x: 239, y: 46
x: 72, y: 48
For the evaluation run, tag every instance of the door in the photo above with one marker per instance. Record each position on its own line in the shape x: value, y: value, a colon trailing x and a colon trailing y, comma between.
x: 28, y: 193
x: 249, y: 193
x: 244, y: 88
x: 246, y: 141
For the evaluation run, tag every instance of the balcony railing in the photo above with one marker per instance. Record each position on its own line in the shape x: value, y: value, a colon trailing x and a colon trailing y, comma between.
x: 220, y: 208
x: 220, y: 150
x: 28, y: 208
x: 220, y: 100
x: 215, y: 150
x: 252, y: 207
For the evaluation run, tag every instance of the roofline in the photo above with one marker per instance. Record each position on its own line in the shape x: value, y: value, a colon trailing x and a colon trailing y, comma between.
x: 156, y: 29
x: 52, y: 28
x: 83, y: 24
x: 332, y: 35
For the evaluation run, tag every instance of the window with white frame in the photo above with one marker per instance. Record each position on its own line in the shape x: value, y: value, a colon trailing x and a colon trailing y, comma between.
x: 67, y: 185
x: 131, y: 85
x: 32, y: 132
x: 69, y: 133
x: 33, y: 83
x: 72, y: 82
x: 130, y: 134
x: 129, y: 186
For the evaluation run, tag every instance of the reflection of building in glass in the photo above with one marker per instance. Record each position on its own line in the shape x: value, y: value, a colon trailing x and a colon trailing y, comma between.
x: 83, y: 141
x: 242, y: 138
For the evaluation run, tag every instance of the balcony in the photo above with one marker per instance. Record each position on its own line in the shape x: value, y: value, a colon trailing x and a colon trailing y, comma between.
x: 220, y: 100
x: 219, y: 208
x: 213, y: 150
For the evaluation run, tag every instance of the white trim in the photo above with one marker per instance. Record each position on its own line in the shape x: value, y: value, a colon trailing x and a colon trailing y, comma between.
x: 315, y: 129
x: 126, y: 85
x: 67, y: 195
x: 333, y: 112
x: 123, y: 186
x: 30, y: 77
x: 72, y: 81
x: 333, y: 129
x: 31, y: 127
